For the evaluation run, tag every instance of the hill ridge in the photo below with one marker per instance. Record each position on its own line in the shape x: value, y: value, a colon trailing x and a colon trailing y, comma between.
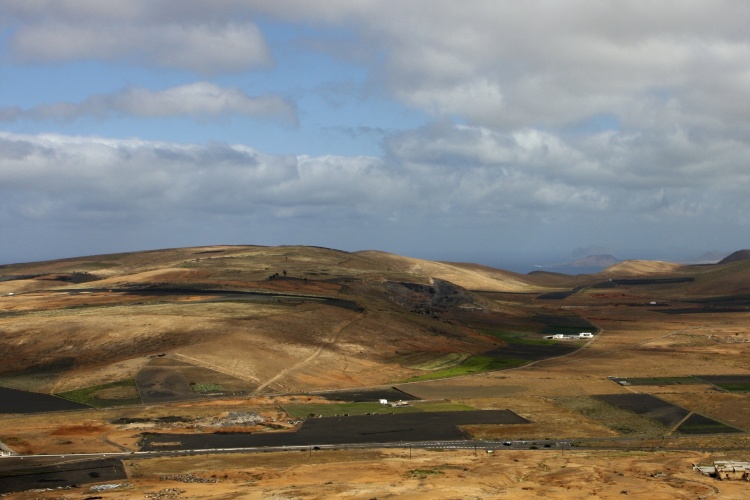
x: 736, y: 256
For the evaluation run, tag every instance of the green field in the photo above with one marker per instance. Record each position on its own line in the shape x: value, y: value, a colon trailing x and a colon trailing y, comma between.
x: 119, y: 393
x: 624, y: 422
x: 203, y: 388
x: 699, y: 424
x: 430, y: 361
x: 518, y: 338
x: 735, y: 387
x: 663, y: 381
x: 473, y: 364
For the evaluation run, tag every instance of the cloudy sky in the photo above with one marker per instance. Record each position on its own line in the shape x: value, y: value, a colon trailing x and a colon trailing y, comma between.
x: 494, y: 131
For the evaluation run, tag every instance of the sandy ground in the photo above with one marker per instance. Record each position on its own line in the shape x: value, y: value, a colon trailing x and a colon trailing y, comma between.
x: 418, y: 474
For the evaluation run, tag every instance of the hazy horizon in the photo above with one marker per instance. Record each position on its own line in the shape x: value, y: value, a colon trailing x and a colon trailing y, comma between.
x: 560, y: 263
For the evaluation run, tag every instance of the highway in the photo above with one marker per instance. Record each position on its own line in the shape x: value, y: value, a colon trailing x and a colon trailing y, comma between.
x: 465, y: 444
x: 23, y: 472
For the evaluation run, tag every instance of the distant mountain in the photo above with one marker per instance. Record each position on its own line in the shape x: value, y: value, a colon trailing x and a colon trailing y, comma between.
x: 736, y: 256
x: 583, y: 252
x: 596, y: 261
x: 708, y: 258
x: 588, y: 264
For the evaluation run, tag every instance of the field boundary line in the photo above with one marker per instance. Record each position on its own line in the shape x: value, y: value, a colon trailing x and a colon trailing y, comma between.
x: 308, y: 359
x: 216, y: 368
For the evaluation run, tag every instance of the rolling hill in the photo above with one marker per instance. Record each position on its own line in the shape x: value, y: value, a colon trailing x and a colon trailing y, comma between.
x: 289, y: 318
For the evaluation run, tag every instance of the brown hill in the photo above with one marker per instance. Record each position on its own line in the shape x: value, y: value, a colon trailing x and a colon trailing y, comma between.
x: 266, y: 318
x: 471, y: 276
x: 736, y: 256
x: 702, y: 280
x: 283, y: 318
x: 720, y: 280
x: 641, y: 268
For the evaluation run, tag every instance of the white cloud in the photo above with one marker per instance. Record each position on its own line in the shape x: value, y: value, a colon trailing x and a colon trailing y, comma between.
x: 498, y: 64
x: 177, y: 35
x: 467, y: 171
x: 200, y: 99
x: 476, y: 100
x: 543, y: 63
x: 606, y: 173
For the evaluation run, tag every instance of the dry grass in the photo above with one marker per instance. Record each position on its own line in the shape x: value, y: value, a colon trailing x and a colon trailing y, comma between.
x: 428, y: 474
x: 65, y: 341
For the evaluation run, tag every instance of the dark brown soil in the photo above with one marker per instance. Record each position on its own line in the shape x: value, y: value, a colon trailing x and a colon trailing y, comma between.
x: 422, y: 426
x: 15, y: 401
x: 648, y: 406
x: 21, y: 474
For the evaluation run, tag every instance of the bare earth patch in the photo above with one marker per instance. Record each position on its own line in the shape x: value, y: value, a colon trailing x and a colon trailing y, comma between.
x: 404, y: 473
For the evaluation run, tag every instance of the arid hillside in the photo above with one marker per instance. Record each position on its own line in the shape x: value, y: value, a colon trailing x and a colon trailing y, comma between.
x: 284, y: 318
x: 291, y: 318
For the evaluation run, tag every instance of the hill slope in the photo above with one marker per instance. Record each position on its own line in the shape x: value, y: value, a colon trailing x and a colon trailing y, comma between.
x: 272, y: 318
x: 471, y: 276
x: 736, y: 256
x: 286, y: 318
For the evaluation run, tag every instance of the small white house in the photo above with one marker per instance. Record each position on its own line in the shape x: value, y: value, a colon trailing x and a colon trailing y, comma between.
x: 585, y: 335
x: 384, y: 402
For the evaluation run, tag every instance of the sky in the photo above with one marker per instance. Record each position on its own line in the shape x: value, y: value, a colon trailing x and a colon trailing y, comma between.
x: 501, y: 132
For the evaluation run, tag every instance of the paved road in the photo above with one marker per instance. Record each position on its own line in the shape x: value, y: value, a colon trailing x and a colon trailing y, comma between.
x: 12, y: 461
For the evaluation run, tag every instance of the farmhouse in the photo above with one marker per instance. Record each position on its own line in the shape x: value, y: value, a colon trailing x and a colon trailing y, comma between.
x: 560, y: 336
x: 399, y: 404
x: 5, y: 451
x: 726, y: 470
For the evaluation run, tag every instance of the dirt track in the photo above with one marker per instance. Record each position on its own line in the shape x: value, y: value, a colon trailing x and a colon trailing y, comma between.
x: 328, y: 342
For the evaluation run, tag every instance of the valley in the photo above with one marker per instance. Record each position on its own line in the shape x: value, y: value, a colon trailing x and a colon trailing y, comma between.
x: 183, y: 342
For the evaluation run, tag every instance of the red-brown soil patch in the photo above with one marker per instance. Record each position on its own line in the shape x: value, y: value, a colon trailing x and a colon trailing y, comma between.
x: 85, y: 429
